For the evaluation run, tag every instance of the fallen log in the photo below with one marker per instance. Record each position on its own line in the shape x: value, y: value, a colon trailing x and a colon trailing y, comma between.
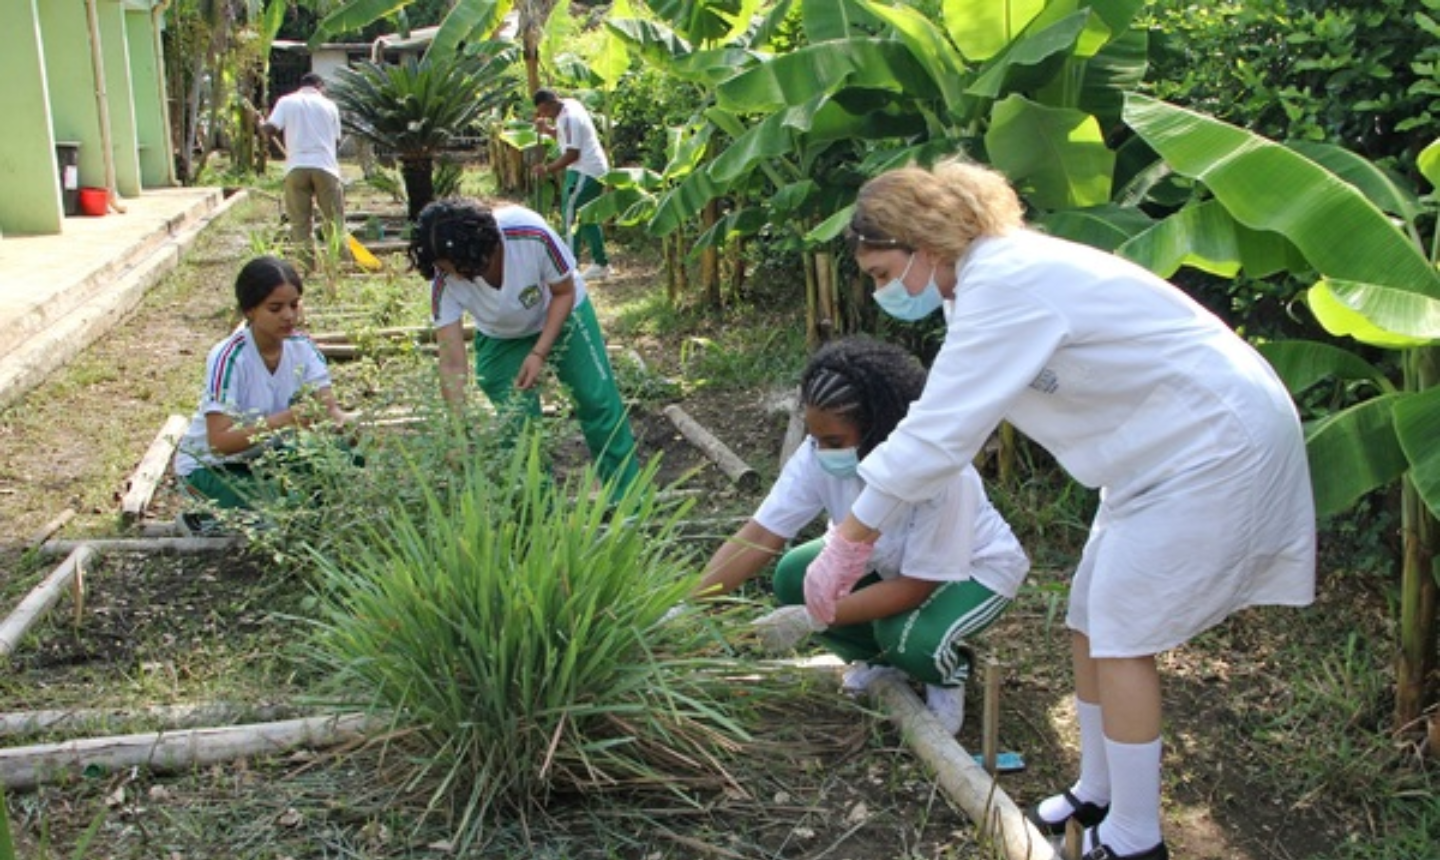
x: 345, y: 351
x: 794, y: 432
x: 964, y: 781
x: 74, y: 720
x: 419, y: 333
x: 142, y: 484
x: 736, y: 469
x: 179, y: 545
x: 42, y: 597
x: 27, y: 767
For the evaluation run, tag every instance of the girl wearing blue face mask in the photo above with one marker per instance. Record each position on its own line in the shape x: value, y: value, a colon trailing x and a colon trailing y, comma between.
x: 946, y: 575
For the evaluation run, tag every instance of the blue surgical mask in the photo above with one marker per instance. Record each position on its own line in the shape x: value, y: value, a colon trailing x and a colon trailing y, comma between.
x: 896, y: 301
x: 840, y: 462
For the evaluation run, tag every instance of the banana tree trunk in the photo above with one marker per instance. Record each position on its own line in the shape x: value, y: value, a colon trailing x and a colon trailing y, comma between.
x: 710, y: 258
x: 419, y: 175
x: 1418, y: 590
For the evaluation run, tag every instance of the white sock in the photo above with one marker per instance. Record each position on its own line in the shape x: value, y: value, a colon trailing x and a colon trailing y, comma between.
x: 1133, y: 824
x: 1094, y: 783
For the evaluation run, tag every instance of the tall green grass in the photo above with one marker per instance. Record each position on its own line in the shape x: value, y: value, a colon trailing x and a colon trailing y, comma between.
x: 512, y: 623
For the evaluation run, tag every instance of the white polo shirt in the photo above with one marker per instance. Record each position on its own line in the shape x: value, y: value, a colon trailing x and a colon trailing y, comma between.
x: 535, y: 258
x: 574, y: 129
x: 238, y: 383
x: 311, y: 123
x: 953, y: 536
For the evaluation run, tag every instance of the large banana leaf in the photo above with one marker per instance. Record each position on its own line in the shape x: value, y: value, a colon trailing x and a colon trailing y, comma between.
x: 352, y: 17
x: 1353, y: 452
x: 828, y: 21
x: 983, y: 28
x: 1057, y: 156
x: 1417, y: 419
x: 1207, y: 238
x: 931, y: 49
x: 1303, y: 363
x: 651, y: 41
x: 1106, y: 227
x: 467, y: 21
x: 706, y: 22
x: 1374, y: 314
x: 1269, y: 187
x: 1002, y: 74
x: 1382, y: 189
x: 795, y: 78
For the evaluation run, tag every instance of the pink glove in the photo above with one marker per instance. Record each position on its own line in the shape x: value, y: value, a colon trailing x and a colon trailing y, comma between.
x: 833, y: 574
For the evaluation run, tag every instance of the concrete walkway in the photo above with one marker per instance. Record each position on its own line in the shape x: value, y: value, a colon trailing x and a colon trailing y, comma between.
x: 60, y: 293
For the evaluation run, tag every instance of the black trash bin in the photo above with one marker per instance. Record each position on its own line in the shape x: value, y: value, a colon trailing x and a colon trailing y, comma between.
x: 67, y: 159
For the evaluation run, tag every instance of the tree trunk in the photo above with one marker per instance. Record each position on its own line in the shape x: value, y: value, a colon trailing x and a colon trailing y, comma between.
x: 419, y: 176
x: 1420, y: 532
x: 710, y: 258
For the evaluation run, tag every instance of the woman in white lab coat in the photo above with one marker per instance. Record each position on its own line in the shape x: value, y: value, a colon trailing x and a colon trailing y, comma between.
x: 1137, y: 390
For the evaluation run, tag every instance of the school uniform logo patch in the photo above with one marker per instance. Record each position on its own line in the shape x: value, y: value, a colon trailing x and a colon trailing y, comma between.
x: 530, y: 296
x: 1048, y: 382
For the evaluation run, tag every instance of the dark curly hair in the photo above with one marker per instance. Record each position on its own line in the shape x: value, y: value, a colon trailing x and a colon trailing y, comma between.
x: 459, y: 230
x: 870, y: 382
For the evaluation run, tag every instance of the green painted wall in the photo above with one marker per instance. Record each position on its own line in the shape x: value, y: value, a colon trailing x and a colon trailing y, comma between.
x: 71, y: 78
x: 118, y: 92
x: 147, y: 77
x: 29, y: 180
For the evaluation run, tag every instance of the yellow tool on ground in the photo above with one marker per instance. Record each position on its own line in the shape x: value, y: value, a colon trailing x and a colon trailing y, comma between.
x: 368, y: 261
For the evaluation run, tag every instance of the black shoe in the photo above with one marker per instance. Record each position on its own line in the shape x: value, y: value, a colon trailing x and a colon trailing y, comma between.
x: 1104, y: 852
x: 200, y: 524
x: 1088, y: 814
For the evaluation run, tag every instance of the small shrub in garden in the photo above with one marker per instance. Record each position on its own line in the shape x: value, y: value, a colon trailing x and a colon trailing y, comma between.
x: 516, y: 622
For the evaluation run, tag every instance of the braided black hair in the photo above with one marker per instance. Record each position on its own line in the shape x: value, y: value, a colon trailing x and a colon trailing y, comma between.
x: 458, y: 230
x: 870, y: 382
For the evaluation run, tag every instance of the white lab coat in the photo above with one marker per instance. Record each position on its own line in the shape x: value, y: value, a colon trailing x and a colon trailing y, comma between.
x: 1136, y: 389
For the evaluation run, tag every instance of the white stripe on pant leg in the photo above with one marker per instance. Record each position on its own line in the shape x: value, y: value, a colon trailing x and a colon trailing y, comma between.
x: 949, y: 659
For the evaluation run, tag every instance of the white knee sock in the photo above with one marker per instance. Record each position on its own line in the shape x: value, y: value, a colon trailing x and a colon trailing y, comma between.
x: 1094, y: 783
x: 1133, y: 824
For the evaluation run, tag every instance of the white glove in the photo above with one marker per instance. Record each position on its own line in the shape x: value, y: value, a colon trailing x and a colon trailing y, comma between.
x: 783, y: 629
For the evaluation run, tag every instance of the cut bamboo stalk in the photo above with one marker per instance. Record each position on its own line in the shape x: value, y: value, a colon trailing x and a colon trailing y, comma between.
x: 990, y: 716
x: 48, y: 530
x: 41, y: 598
x: 77, y: 594
x: 179, y: 545
x: 963, y: 780
x: 27, y: 767
x: 151, y: 469
x: 344, y: 351
x: 736, y: 469
x: 22, y: 723
x: 421, y: 333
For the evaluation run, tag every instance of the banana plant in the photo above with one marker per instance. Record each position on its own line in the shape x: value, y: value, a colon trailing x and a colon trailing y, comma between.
x: 1334, y: 215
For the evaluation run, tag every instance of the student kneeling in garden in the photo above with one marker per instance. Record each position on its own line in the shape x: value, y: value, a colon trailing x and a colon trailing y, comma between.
x: 948, y: 574
x: 261, y: 383
x: 516, y: 277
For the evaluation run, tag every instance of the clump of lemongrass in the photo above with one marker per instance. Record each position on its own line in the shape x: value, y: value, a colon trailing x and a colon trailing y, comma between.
x: 517, y: 627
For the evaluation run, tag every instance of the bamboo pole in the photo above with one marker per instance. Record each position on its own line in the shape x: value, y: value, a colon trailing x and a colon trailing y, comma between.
x: 735, y: 468
x: 181, y: 545
x: 963, y: 780
x: 21, y: 723
x: 27, y: 767
x: 48, y: 530
x: 151, y: 470
x: 42, y: 598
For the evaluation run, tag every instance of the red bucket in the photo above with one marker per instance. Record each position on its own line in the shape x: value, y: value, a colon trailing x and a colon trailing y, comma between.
x: 94, y: 201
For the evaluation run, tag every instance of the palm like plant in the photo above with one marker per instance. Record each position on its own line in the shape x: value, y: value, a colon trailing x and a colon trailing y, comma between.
x: 417, y: 109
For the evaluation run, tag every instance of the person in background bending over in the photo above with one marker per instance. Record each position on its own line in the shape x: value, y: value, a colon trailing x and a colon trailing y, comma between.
x: 261, y: 383
x: 510, y: 271
x: 583, y: 160
x: 1205, y: 504
x: 310, y: 122
x: 946, y: 573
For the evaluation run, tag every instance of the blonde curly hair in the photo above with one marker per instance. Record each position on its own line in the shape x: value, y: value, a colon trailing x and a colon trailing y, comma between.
x: 941, y: 209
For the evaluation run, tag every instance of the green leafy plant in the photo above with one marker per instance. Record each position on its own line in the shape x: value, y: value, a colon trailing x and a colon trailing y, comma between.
x: 415, y: 110
x: 513, y: 624
x: 1325, y: 211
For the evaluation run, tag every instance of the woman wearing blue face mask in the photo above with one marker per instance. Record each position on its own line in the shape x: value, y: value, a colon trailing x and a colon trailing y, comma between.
x: 946, y: 574
x: 1205, y: 500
